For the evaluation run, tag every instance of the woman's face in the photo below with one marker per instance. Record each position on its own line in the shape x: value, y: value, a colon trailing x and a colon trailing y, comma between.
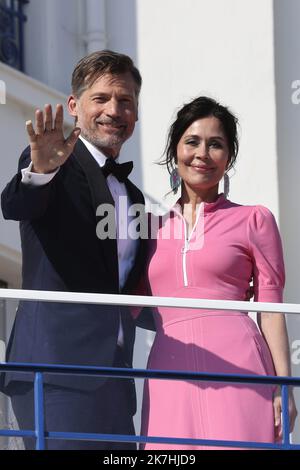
x: 203, y: 155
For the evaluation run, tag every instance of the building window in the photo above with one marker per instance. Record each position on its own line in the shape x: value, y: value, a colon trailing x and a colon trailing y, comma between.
x: 12, y: 21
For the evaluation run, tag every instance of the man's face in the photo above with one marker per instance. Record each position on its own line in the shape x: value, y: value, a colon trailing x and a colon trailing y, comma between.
x: 106, y: 112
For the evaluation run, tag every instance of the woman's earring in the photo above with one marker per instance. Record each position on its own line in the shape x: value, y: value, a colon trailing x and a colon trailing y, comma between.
x: 175, y: 180
x: 226, y: 185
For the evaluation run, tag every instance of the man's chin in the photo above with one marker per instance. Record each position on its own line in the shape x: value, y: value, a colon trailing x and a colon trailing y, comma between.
x: 103, y: 140
x: 108, y: 143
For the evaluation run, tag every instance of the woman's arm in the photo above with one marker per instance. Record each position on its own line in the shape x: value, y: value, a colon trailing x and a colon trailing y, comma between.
x: 268, y: 280
x: 273, y: 328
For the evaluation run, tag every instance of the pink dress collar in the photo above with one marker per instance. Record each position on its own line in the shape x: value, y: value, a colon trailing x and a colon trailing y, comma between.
x: 207, y: 207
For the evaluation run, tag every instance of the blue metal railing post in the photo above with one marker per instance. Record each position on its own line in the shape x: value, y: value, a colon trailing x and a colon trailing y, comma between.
x: 285, y: 416
x: 39, y: 411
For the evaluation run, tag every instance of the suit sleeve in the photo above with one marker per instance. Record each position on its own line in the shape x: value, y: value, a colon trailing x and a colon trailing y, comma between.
x: 267, y: 255
x: 21, y: 201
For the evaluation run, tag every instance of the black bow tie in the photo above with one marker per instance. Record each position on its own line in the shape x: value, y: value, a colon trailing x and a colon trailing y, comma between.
x: 119, y: 170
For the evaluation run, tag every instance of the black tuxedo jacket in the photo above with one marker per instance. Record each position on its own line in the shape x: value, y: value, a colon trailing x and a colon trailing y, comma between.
x: 62, y: 252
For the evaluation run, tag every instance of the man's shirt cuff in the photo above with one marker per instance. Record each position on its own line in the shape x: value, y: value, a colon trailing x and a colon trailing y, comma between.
x: 36, y: 179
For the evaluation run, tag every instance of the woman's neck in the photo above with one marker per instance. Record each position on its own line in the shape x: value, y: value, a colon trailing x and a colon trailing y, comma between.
x: 190, y: 199
x: 193, y: 198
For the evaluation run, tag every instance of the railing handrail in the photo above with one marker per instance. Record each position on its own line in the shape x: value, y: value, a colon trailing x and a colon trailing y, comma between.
x: 41, y: 434
x: 146, y: 373
x: 147, y: 301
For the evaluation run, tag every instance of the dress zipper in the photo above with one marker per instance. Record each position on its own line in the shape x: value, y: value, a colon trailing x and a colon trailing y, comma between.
x: 184, y: 251
x: 187, y: 239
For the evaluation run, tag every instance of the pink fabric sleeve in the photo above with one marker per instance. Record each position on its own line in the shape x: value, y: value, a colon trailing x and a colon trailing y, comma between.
x: 266, y: 251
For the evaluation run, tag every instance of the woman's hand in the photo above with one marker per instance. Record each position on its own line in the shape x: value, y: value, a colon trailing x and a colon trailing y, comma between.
x: 277, y: 404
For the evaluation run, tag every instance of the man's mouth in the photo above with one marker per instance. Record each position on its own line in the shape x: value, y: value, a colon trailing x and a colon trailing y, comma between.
x: 111, y: 125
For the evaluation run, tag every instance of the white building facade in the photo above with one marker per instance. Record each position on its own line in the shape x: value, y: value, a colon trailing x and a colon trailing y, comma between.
x: 241, y: 52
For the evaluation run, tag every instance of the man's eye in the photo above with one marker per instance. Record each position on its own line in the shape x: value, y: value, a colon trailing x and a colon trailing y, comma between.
x: 100, y: 99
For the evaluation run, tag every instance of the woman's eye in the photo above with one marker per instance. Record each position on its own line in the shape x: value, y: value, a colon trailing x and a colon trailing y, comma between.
x: 191, y: 142
x: 215, y: 144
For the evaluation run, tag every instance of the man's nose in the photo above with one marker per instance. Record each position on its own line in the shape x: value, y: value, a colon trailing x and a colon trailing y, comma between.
x: 112, y: 108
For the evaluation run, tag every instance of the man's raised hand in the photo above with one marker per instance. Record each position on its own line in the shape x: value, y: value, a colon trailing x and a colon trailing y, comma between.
x: 49, y: 148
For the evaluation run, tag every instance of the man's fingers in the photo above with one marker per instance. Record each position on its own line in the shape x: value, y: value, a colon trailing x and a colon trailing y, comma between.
x: 48, y: 117
x: 39, y: 122
x: 30, y: 131
x: 59, y: 117
x: 72, y: 139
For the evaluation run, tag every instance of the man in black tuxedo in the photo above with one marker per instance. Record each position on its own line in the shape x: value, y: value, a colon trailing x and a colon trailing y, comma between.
x: 55, y: 195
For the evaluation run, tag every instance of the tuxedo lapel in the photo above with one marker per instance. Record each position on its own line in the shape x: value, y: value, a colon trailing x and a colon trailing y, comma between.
x: 135, y: 195
x: 100, y: 194
x: 97, y: 183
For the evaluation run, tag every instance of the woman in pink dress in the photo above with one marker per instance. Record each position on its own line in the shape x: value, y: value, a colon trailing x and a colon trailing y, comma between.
x: 208, y: 247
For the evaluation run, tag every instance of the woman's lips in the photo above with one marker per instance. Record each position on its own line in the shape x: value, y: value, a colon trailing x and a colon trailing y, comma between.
x: 202, y: 169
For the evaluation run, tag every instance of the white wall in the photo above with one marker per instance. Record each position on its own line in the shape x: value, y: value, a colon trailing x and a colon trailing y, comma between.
x: 220, y: 48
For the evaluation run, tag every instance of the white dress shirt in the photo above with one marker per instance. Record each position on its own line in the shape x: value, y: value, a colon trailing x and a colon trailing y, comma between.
x: 126, y: 246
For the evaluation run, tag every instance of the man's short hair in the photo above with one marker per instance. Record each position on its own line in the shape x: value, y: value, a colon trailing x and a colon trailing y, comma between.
x: 99, y: 63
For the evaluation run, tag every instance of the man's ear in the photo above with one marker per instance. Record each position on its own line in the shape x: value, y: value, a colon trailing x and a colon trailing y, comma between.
x: 72, y: 105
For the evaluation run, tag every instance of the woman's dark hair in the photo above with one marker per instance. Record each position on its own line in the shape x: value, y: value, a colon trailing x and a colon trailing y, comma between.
x: 199, y: 108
